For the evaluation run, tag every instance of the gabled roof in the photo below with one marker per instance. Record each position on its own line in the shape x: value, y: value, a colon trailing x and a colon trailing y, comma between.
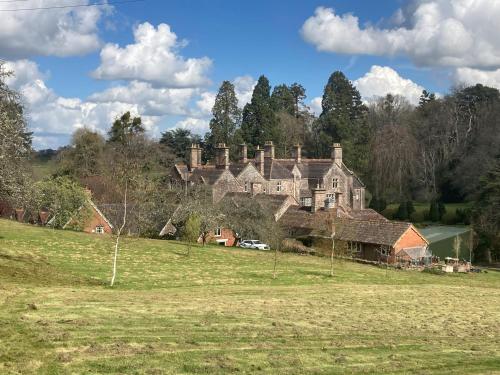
x: 94, y: 207
x: 272, y: 202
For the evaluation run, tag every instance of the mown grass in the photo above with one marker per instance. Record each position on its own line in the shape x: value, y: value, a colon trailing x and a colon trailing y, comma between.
x: 219, y: 311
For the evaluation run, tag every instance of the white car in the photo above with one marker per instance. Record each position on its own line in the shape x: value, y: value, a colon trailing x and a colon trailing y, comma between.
x: 254, y: 244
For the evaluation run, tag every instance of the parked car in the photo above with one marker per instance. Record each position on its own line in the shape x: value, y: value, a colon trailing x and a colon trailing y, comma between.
x: 254, y: 244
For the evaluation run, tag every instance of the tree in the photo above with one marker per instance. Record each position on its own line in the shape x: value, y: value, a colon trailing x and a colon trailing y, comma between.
x: 402, y: 212
x: 84, y: 157
x: 259, y: 122
x: 15, y: 144
x: 178, y: 140
x: 225, y: 121
x: 191, y: 231
x: 125, y: 127
x: 63, y: 198
x: 486, y: 215
x: 343, y: 119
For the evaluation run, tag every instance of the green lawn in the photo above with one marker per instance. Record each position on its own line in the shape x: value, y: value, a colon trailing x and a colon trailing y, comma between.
x: 422, y: 209
x: 219, y: 311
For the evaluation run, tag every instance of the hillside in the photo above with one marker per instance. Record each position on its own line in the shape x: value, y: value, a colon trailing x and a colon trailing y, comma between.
x: 220, y: 311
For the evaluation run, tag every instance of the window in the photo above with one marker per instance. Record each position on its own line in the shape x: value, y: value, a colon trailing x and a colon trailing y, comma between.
x: 357, y: 195
x: 355, y: 248
x: 218, y: 232
x: 307, y: 202
x: 247, y: 186
x: 331, y: 197
x: 279, y: 186
x: 99, y: 229
x: 384, y: 250
x: 335, y: 183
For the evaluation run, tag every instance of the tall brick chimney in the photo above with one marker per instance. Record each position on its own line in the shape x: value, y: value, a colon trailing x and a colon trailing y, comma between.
x: 259, y: 159
x: 243, y: 153
x: 192, y: 156
x: 297, y: 153
x: 269, y: 150
x: 318, y: 199
x: 199, y: 155
x: 337, y: 153
x: 222, y: 156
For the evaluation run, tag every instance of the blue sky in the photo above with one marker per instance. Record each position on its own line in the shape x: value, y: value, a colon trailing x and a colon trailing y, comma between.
x: 398, y: 46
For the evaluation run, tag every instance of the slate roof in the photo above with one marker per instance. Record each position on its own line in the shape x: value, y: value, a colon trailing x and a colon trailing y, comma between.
x: 208, y: 174
x: 376, y: 231
x: 416, y: 253
x: 271, y: 202
x: 275, y: 170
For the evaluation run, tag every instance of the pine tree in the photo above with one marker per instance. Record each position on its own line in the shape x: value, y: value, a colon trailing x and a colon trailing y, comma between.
x: 343, y: 119
x: 226, y: 115
x: 259, y: 122
x: 402, y: 213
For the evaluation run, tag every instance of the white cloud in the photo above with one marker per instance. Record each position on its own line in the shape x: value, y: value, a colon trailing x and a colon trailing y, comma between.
x: 153, y: 58
x: 243, y: 87
x: 383, y: 80
x: 151, y: 101
x: 53, y: 118
x: 315, y: 105
x: 196, y: 125
x: 58, y: 32
x: 434, y: 32
x: 470, y: 76
x: 206, y: 103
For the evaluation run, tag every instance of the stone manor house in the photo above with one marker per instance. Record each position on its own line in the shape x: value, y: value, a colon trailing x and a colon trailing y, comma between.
x: 306, y: 196
x: 313, y: 183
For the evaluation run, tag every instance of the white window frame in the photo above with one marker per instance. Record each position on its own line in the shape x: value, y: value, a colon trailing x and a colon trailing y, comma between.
x: 335, y: 183
x: 99, y: 229
x: 384, y: 251
x: 355, y: 247
x: 218, y: 232
x: 279, y: 186
x: 306, y: 201
x: 331, y: 196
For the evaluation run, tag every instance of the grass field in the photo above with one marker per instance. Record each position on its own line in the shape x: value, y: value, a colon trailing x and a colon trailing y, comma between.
x: 219, y: 311
x: 422, y: 209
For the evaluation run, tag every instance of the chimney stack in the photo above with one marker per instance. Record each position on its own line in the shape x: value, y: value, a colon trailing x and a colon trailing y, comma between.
x: 259, y: 159
x: 337, y: 153
x: 243, y: 153
x: 193, y: 156
x: 318, y: 199
x: 199, y: 155
x: 297, y: 151
x: 222, y: 156
x: 269, y: 150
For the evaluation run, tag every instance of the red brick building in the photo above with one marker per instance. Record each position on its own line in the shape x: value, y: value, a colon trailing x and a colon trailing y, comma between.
x: 96, y: 223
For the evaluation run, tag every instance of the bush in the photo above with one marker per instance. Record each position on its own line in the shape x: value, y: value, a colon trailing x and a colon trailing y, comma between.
x: 433, y: 214
x: 463, y: 215
x: 378, y: 204
x: 294, y: 246
x: 450, y: 219
x: 402, y: 212
x: 410, y: 208
x: 417, y: 217
x: 389, y: 213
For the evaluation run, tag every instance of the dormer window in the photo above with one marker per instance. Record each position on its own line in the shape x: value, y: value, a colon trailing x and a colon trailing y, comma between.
x: 279, y: 186
x: 335, y: 183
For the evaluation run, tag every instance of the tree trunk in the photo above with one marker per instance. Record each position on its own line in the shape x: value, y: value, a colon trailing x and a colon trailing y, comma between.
x: 115, y: 259
x: 275, y: 262
x: 331, y: 257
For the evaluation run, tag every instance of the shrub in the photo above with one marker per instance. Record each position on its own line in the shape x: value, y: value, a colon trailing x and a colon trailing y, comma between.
x: 417, y: 217
x: 293, y: 246
x: 433, y: 211
x: 450, y: 218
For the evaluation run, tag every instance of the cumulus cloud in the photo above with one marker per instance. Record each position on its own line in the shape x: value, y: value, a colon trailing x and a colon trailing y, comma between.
x: 433, y: 32
x: 154, y: 58
x: 196, y: 125
x: 315, y: 105
x: 243, y: 88
x: 383, y: 80
x: 469, y: 76
x: 54, y: 118
x: 58, y: 32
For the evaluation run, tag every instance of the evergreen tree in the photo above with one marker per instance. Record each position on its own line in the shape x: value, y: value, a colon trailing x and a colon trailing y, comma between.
x: 343, y: 119
x: 402, y: 213
x: 125, y: 127
x: 299, y: 94
x: 441, y: 209
x: 226, y: 115
x: 410, y: 208
x: 259, y: 122
x: 434, y: 211
x: 283, y: 100
x: 178, y: 141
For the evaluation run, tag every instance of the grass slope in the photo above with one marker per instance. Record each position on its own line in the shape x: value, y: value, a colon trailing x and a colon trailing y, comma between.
x: 220, y: 311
